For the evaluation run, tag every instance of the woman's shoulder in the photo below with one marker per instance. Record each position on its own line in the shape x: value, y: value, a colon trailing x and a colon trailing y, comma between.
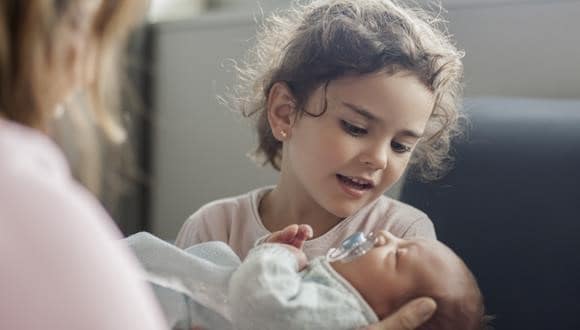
x: 33, y: 171
x: 56, y: 223
x: 26, y: 151
x: 56, y: 201
x: 32, y: 167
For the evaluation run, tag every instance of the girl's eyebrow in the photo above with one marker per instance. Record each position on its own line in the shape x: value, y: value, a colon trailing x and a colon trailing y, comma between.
x: 361, y: 111
x: 368, y: 115
x: 411, y: 133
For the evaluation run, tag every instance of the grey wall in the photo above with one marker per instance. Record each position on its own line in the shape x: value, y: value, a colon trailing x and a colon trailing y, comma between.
x: 514, y: 48
x: 529, y: 48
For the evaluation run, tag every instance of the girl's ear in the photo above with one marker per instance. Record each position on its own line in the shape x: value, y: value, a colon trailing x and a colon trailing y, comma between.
x: 281, y: 110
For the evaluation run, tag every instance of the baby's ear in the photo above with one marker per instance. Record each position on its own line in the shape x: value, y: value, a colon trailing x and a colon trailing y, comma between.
x: 281, y: 110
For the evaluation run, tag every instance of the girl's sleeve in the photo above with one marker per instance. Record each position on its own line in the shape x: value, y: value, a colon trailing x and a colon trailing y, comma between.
x: 206, y: 224
x: 192, y: 231
x: 421, y: 227
x: 63, y: 265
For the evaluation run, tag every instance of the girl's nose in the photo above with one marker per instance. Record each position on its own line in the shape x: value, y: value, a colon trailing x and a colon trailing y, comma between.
x: 375, y: 157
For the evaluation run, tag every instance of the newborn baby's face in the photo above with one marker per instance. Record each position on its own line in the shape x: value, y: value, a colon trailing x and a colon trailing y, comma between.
x: 397, y: 270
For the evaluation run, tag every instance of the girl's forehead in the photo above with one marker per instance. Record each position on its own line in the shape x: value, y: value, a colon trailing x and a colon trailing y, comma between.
x: 354, y: 77
x: 379, y: 86
x: 379, y: 91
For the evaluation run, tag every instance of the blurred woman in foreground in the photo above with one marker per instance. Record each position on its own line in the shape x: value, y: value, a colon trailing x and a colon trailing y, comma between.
x: 62, y: 265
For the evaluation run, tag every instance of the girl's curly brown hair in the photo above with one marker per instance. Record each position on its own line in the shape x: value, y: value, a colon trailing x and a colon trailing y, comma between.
x: 313, y: 43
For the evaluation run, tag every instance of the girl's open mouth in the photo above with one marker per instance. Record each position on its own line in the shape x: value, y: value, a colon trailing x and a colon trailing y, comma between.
x: 355, y: 183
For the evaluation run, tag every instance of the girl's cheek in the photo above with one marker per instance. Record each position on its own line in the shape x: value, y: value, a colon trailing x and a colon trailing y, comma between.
x: 344, y: 149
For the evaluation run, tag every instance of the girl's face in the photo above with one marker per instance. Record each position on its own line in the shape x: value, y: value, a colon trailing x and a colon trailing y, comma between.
x: 362, y: 144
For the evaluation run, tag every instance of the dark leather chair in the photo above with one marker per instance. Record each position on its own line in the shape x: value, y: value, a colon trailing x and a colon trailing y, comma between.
x: 511, y: 209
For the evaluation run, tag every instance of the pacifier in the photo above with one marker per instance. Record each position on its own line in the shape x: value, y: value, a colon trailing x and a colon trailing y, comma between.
x: 352, y: 247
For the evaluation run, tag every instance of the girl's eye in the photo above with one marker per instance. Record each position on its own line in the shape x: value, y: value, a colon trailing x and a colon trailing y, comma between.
x: 352, y: 129
x: 400, y: 148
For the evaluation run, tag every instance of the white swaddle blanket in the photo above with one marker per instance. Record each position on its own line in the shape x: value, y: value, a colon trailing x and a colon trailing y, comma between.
x: 190, y: 284
x: 207, y: 285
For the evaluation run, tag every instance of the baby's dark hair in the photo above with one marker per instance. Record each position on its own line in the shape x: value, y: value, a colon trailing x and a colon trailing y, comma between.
x: 311, y: 44
x: 465, y: 312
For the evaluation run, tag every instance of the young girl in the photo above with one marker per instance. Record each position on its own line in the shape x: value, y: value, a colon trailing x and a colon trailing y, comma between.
x: 347, y: 95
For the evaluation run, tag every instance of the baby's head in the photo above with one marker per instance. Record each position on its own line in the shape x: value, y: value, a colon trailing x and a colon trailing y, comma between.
x: 312, y: 44
x: 396, y: 271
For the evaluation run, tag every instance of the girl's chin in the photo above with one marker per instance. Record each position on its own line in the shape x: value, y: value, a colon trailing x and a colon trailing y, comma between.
x: 344, y: 211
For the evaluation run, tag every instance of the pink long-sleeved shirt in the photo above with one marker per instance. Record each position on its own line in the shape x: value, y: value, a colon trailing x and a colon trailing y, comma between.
x: 61, y: 263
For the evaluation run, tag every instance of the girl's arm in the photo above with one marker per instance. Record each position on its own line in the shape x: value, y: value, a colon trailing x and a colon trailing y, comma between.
x: 192, y: 231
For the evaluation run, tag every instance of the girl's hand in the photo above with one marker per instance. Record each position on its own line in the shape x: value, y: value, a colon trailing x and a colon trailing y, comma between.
x: 294, y: 235
x: 409, y: 317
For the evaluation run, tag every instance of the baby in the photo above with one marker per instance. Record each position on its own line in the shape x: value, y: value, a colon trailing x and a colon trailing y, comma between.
x: 381, y: 271
x: 275, y: 287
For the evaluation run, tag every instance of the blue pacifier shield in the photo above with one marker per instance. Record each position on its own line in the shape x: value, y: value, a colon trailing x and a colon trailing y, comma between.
x: 353, y: 246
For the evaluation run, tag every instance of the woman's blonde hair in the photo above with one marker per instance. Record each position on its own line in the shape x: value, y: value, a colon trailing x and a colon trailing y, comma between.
x: 28, y: 33
x: 312, y: 44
